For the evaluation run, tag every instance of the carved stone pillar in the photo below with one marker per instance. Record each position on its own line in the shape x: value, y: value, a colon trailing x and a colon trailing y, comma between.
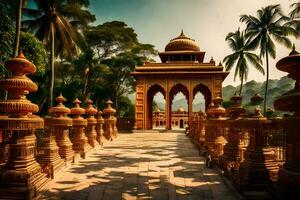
x: 233, y: 149
x: 115, y: 129
x: 202, y: 118
x: 259, y: 168
x: 214, y: 139
x: 91, y: 133
x: 109, y: 121
x: 289, y: 176
x: 59, y: 126
x: 48, y: 156
x: 99, y: 128
x: 168, y: 112
x: 4, y: 147
x: 21, y: 177
x: 79, y: 140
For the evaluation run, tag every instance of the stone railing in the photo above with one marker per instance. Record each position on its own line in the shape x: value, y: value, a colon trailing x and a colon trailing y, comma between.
x: 260, y: 155
x: 34, y: 150
x: 250, y: 150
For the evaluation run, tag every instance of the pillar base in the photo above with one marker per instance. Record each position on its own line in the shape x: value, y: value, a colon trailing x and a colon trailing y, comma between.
x: 287, y: 186
x: 80, y: 141
x: 256, y: 172
x: 22, y: 183
x: 49, y: 157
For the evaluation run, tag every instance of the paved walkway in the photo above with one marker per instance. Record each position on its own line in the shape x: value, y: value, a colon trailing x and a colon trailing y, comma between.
x: 157, y: 166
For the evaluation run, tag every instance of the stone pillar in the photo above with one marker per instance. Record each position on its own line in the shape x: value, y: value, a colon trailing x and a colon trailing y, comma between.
x: 48, y: 156
x: 259, y: 168
x: 59, y: 126
x: 99, y: 128
x: 79, y: 140
x: 168, y: 112
x: 22, y: 176
x: 115, y: 129
x: 233, y: 149
x: 289, y: 176
x: 4, y: 147
x: 190, y: 105
x: 201, y: 128
x: 91, y: 133
x: 109, y: 121
x: 214, y: 139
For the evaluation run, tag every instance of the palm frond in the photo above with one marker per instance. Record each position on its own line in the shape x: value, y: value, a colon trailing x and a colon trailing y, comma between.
x: 296, y: 9
x: 255, y: 61
x: 270, y: 46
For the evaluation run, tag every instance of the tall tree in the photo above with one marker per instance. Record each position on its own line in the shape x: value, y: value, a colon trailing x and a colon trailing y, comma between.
x: 18, y: 28
x: 295, y: 17
x: 6, y: 36
x: 52, y: 23
x: 263, y: 30
x: 241, y: 57
x: 116, y: 45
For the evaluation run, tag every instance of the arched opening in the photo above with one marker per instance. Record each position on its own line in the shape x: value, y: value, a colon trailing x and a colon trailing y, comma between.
x: 206, y: 96
x: 179, y: 107
x: 181, y: 124
x: 156, y: 106
x: 198, y: 102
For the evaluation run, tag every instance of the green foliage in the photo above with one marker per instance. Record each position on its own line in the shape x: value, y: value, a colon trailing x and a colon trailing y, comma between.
x: 294, y: 17
x: 227, y: 104
x: 111, y: 38
x: 34, y: 50
x: 269, y: 25
x: 6, y: 37
x: 241, y: 57
x: 117, y: 47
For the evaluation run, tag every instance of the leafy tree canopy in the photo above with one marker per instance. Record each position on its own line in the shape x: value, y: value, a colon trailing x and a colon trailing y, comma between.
x: 34, y: 50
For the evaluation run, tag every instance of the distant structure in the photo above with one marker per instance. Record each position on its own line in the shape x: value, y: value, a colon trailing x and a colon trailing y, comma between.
x: 179, y: 118
x: 182, y: 69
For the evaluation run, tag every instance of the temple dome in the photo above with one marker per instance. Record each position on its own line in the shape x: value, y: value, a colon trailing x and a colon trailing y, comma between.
x: 181, y: 109
x: 182, y: 43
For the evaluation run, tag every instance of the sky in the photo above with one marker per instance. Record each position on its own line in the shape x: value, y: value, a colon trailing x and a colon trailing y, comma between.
x: 206, y: 21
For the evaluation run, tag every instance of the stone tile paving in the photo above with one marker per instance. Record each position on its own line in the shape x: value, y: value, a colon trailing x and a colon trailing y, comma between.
x: 158, y: 166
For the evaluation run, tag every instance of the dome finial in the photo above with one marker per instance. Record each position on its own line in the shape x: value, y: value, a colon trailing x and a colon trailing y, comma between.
x: 182, y: 34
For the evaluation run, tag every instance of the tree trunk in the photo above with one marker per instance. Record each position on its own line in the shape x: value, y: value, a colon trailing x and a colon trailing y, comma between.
x: 51, y: 67
x: 85, y: 92
x: 241, y: 88
x: 18, y: 28
x: 267, y: 82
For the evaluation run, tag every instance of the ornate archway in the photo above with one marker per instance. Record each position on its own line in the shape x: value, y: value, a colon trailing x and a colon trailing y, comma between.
x: 204, y: 90
x: 179, y: 87
x: 154, y: 89
x: 182, y: 68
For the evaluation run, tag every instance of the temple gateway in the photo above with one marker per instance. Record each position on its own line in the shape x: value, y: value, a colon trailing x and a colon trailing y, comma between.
x: 182, y: 69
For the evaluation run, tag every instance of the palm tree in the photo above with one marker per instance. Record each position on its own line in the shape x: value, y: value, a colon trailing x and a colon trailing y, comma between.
x: 295, y: 17
x: 241, y: 57
x: 18, y: 28
x: 263, y: 30
x: 52, y: 23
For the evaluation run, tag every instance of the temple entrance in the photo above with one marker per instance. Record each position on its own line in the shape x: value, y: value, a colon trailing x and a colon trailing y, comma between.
x: 182, y: 70
x: 181, y: 123
x: 156, y: 97
x: 179, y: 95
x: 158, y: 111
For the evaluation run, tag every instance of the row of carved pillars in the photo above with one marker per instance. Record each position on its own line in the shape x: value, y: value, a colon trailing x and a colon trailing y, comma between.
x: 251, y: 151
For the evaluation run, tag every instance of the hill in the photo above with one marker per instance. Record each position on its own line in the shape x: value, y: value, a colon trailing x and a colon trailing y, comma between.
x: 276, y: 88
